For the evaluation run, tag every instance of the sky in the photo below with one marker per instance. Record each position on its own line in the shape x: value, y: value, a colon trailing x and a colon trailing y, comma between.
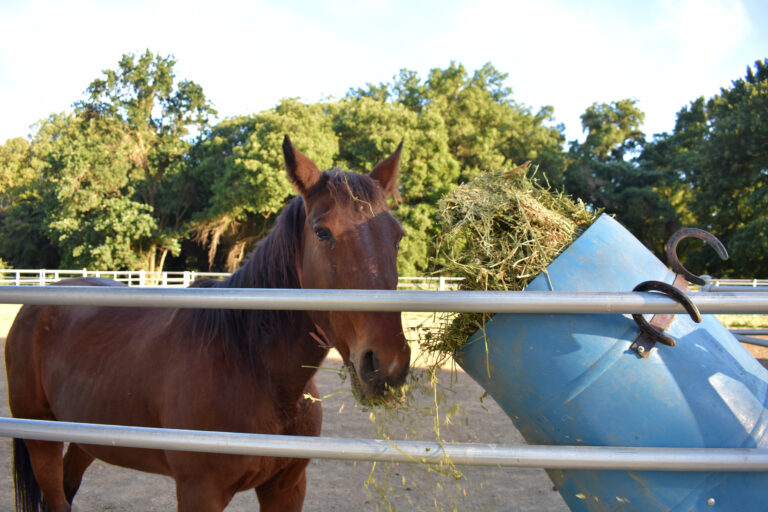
x: 248, y: 55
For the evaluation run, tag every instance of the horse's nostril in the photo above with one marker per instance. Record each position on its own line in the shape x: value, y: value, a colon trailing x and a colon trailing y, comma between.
x: 370, y: 368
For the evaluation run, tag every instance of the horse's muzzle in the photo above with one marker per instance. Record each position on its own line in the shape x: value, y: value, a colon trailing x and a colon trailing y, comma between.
x: 375, y: 379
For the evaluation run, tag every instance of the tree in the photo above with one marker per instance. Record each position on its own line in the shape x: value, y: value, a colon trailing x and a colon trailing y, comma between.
x: 724, y: 157
x: 91, y: 214
x: 370, y: 130
x: 455, y: 126
x: 612, y: 129
x: 150, y: 117
x: 15, y: 170
x: 236, y: 179
x: 23, y: 233
x: 600, y: 172
x: 487, y: 130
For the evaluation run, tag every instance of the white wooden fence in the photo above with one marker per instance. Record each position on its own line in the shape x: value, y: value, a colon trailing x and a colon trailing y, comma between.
x: 712, y: 284
x: 43, y: 277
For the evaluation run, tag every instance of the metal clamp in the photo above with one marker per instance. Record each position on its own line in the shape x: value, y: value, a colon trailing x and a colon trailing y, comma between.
x: 653, y: 332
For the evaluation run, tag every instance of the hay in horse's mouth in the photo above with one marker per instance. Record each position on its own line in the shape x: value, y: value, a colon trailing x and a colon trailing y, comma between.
x: 389, y: 396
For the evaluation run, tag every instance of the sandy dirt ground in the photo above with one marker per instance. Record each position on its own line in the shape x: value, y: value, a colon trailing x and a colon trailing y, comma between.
x: 340, y: 485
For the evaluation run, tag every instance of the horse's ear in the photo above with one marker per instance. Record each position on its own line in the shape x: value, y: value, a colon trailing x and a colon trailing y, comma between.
x: 301, y: 170
x: 385, y: 172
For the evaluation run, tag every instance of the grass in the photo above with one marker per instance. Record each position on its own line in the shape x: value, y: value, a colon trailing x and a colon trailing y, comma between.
x: 744, y: 321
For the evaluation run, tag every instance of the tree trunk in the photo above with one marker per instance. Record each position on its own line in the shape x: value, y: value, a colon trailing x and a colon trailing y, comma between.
x: 163, y: 254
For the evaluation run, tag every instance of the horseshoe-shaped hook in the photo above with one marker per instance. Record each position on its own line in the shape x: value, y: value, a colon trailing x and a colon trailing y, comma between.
x: 674, y: 262
x: 671, y: 292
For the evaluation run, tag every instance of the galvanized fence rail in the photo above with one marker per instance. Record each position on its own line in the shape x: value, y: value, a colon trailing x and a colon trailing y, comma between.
x: 382, y: 300
x: 522, y: 456
x: 583, y: 457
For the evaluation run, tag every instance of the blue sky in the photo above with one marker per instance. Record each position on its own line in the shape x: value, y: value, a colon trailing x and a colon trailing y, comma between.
x: 248, y: 55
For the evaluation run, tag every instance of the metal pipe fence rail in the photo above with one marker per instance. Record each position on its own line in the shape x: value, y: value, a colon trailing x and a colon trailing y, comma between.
x: 522, y: 456
x: 573, y: 457
x: 382, y: 300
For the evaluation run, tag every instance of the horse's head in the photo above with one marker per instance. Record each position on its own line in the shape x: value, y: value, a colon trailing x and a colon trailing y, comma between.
x: 350, y: 240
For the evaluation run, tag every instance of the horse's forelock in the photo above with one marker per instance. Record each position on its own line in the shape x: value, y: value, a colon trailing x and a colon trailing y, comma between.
x: 345, y: 186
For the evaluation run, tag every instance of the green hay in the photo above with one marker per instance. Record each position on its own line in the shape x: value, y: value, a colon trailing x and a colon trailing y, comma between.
x: 499, y: 232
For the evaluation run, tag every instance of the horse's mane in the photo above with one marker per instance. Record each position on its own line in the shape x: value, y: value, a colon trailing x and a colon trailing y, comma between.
x: 272, y: 264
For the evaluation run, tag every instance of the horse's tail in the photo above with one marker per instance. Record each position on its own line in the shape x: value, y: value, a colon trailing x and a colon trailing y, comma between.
x: 28, y: 495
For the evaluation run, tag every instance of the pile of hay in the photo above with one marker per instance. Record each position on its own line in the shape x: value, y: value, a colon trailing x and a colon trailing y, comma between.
x: 499, y: 232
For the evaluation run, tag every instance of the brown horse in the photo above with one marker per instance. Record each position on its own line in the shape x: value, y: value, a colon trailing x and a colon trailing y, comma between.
x: 222, y: 370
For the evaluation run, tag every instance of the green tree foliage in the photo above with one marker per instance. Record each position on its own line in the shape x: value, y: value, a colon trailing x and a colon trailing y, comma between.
x: 135, y: 173
x: 235, y: 180
x: 23, y: 233
x: 88, y: 194
x: 719, y: 150
x: 93, y: 188
x: 15, y: 170
x: 601, y: 172
x: 612, y: 129
x: 369, y: 130
x: 146, y: 116
x: 455, y: 126
x: 486, y: 129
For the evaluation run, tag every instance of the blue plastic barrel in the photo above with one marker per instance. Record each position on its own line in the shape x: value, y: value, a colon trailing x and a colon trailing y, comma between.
x: 573, y: 380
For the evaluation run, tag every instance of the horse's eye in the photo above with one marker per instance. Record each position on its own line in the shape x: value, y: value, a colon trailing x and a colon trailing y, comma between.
x: 323, y: 234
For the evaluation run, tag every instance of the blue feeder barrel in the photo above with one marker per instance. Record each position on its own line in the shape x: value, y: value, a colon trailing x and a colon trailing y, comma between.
x: 573, y: 380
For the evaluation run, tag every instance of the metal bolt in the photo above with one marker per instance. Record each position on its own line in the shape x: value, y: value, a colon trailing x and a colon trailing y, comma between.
x: 641, y: 349
x: 711, y: 502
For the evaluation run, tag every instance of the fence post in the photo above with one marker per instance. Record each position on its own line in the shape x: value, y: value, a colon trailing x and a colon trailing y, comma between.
x: 41, y: 278
x: 142, y: 278
x: 165, y: 279
x: 17, y: 278
x: 186, y: 278
x: 442, y: 284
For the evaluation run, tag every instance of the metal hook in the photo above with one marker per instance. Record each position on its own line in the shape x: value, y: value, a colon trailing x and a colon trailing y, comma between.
x: 674, y: 262
x: 671, y: 292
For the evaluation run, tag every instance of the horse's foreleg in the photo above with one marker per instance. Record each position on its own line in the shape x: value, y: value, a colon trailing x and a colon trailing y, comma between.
x: 285, y: 492
x: 76, y: 461
x: 47, y: 464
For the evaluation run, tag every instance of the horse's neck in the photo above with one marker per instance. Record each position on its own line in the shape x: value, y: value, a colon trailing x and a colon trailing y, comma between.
x: 287, y: 349
x: 293, y: 361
